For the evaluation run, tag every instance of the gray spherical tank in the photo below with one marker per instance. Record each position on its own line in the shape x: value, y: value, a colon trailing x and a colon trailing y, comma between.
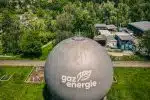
x: 79, y: 68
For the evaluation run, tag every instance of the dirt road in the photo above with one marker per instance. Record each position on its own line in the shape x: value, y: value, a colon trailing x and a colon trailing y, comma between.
x: 29, y: 63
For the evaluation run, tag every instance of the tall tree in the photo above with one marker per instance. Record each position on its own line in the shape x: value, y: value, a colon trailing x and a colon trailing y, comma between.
x: 123, y: 14
x: 10, y: 33
x: 144, y: 44
x: 65, y: 21
x: 110, y: 12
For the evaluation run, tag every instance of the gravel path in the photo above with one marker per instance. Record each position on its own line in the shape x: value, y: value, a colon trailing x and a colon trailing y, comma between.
x: 29, y: 63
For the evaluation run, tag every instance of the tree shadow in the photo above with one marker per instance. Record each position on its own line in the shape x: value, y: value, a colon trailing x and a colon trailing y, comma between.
x: 48, y: 94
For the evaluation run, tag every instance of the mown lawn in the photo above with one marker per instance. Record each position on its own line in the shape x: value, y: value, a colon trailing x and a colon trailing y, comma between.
x: 16, y: 88
x: 132, y: 84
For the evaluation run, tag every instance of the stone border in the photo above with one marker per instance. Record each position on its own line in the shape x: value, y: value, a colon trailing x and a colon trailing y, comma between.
x: 26, y: 80
x: 7, y: 79
x: 31, y: 82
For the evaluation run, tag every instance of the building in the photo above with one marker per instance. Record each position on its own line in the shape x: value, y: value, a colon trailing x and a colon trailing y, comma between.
x: 106, y: 27
x: 124, y: 41
x: 139, y: 27
x: 126, y: 30
x: 104, y: 32
x: 111, y: 27
x: 111, y: 42
x: 101, y: 27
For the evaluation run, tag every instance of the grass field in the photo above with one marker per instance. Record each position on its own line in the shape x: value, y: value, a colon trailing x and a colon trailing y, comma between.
x: 16, y: 88
x: 132, y: 84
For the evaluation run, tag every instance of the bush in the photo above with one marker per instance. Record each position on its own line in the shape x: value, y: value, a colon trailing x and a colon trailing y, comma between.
x: 61, y: 35
x: 129, y: 58
x: 45, y: 37
x: 10, y: 34
x: 30, y: 45
x: 46, y: 50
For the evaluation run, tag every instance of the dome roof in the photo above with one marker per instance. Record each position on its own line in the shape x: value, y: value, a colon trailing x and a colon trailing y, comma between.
x: 79, y: 68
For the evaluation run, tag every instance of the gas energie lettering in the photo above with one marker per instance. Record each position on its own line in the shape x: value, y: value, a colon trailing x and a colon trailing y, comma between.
x: 79, y: 80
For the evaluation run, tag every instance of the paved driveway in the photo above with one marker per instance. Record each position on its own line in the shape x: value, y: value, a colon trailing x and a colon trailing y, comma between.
x: 29, y: 63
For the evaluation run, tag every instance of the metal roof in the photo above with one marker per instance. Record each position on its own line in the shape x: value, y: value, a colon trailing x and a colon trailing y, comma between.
x: 142, y: 25
x: 100, y: 25
x: 124, y: 36
x: 105, y: 32
x: 111, y: 26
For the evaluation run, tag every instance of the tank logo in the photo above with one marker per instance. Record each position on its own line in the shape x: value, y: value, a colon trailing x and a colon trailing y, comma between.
x: 80, y: 81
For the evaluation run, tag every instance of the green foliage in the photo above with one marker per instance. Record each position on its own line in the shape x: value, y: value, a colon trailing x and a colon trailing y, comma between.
x: 45, y: 37
x: 61, y: 19
x: 110, y: 12
x: 129, y: 58
x: 61, y: 35
x: 144, y: 45
x: 10, y: 33
x: 65, y: 21
x: 123, y: 14
x: 30, y: 45
x: 46, y: 50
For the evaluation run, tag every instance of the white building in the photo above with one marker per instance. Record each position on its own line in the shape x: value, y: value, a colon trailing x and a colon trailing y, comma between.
x: 104, y: 32
x: 110, y: 40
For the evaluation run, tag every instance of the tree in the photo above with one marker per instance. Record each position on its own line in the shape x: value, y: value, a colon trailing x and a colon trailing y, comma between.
x: 30, y: 44
x: 10, y: 33
x: 45, y: 37
x: 65, y: 21
x: 30, y: 21
x: 144, y: 44
x: 110, y: 12
x: 123, y: 14
x: 61, y: 35
x: 3, y: 3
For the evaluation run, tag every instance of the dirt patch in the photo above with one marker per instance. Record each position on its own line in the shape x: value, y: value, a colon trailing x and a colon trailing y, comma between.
x: 36, y: 75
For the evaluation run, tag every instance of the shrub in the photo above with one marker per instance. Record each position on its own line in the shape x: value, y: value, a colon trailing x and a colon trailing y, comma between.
x: 30, y: 45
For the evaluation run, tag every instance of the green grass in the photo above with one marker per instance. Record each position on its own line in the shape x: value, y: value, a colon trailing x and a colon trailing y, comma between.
x: 132, y: 84
x: 16, y: 88
x: 45, y: 50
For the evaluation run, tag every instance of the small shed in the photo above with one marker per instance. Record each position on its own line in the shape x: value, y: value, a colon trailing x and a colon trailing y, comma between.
x: 139, y: 27
x: 124, y: 41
